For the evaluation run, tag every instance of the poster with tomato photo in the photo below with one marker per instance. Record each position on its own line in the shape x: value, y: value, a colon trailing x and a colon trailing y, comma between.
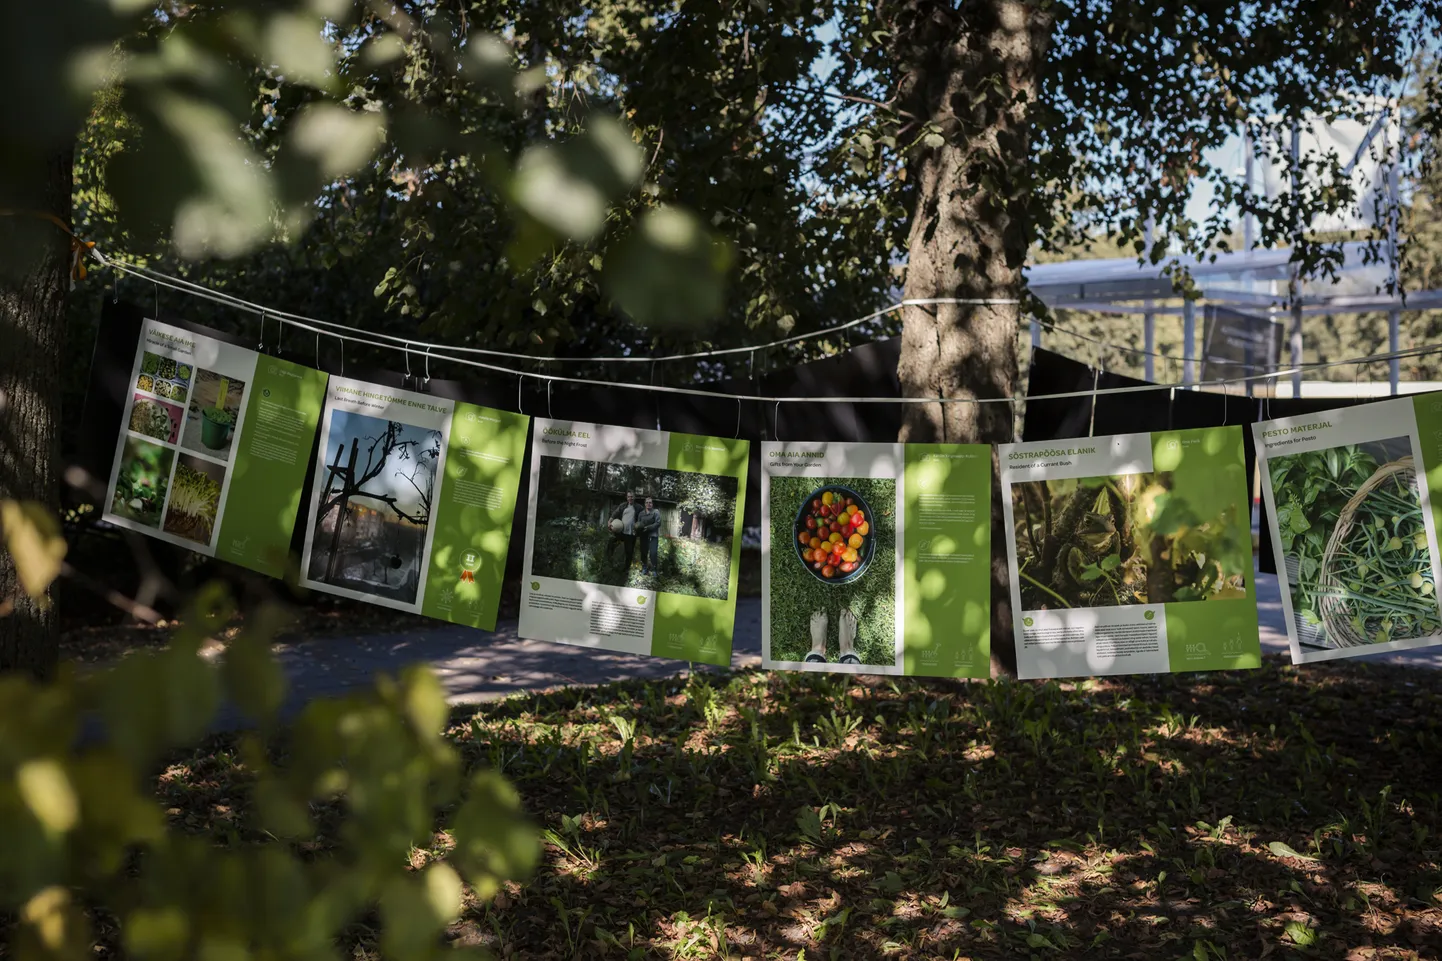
x: 875, y: 558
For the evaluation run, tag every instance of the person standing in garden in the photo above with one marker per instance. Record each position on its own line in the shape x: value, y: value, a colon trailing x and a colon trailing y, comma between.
x: 623, y: 528
x: 648, y: 524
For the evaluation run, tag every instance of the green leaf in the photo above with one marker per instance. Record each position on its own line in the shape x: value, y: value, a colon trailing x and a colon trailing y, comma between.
x: 253, y: 677
x: 280, y: 813
x: 337, y: 139
x: 494, y: 841
x: 1300, y: 933
x: 425, y: 700
x: 568, y: 186
x: 156, y: 933
x: 46, y: 790
x: 669, y: 271
x: 296, y: 44
x: 810, y: 823
x: 1283, y: 850
x: 34, y: 542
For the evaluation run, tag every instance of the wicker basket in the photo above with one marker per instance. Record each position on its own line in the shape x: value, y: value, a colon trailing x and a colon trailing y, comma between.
x: 1336, y: 613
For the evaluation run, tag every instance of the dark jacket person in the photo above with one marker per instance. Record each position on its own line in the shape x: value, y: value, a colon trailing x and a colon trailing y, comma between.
x: 648, y: 525
x: 626, y: 536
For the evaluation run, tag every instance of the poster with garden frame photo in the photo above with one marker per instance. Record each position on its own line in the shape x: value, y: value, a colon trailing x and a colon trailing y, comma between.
x: 875, y: 558
x: 1130, y: 553
x: 633, y: 540
x: 213, y: 448
x: 412, y: 501
x: 1355, y: 527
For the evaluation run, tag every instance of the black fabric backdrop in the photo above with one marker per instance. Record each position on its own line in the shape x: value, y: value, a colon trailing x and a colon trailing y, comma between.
x: 868, y: 370
x: 865, y: 371
x: 1151, y: 410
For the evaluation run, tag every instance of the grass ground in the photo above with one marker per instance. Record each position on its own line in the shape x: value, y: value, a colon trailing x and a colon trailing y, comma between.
x: 1280, y: 812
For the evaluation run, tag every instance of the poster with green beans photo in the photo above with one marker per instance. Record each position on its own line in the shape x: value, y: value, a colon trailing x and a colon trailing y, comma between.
x: 1353, y: 526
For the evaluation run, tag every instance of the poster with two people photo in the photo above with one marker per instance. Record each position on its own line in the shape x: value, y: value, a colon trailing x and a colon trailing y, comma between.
x: 634, y: 540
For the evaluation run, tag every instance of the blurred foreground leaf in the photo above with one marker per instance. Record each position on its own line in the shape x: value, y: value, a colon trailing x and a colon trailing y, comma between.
x: 669, y: 271
x: 81, y: 828
x: 34, y: 540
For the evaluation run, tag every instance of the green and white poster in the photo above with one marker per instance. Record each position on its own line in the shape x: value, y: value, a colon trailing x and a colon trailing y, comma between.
x: 215, y: 443
x: 1130, y: 554
x: 413, y: 501
x: 634, y: 540
x: 876, y: 558
x: 1354, y: 525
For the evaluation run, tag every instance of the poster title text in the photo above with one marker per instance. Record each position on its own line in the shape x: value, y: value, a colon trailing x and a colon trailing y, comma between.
x: 389, y: 399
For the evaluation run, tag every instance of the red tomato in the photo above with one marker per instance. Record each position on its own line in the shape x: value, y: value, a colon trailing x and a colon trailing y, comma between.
x: 816, y: 565
x: 848, y: 566
x: 811, y: 523
x: 828, y: 571
x: 815, y: 503
x: 858, y: 517
x: 801, y: 537
x: 850, y: 501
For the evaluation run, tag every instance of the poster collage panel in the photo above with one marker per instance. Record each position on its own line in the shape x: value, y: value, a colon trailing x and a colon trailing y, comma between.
x: 214, y: 446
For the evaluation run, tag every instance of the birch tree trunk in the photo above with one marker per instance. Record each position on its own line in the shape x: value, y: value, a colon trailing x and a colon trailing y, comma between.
x: 34, y: 282
x: 970, y: 72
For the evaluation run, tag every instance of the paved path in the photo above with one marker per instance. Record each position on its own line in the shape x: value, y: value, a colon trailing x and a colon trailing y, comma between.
x: 476, y: 666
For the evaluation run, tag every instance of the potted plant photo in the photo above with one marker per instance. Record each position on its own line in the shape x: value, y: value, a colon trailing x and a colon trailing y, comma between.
x: 215, y: 427
x: 216, y: 422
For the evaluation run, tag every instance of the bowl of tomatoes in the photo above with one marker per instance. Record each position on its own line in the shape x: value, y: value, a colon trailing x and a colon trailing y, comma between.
x: 833, y: 534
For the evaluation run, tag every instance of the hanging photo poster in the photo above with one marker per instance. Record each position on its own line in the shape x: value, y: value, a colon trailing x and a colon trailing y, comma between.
x: 1355, y: 528
x: 634, y: 540
x: 876, y: 558
x: 1130, y: 554
x: 214, y: 447
x: 413, y: 501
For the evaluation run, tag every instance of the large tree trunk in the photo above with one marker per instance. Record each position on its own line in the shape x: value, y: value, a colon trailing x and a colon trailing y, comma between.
x: 971, y: 73
x: 34, y: 281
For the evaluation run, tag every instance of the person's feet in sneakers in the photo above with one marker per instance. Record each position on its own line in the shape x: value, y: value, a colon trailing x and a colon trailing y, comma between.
x: 817, y: 654
x: 847, y: 653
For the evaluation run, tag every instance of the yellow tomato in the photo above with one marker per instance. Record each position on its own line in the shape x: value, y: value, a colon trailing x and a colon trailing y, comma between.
x: 854, y: 540
x: 849, y: 554
x: 828, y: 498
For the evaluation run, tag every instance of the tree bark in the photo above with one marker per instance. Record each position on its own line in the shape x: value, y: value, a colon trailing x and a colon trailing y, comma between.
x: 970, y: 72
x: 34, y: 283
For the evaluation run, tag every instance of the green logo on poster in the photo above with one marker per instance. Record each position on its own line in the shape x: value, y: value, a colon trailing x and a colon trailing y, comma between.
x: 641, y: 599
x: 1149, y: 614
x: 1027, y: 621
x: 535, y: 585
x: 470, y: 560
